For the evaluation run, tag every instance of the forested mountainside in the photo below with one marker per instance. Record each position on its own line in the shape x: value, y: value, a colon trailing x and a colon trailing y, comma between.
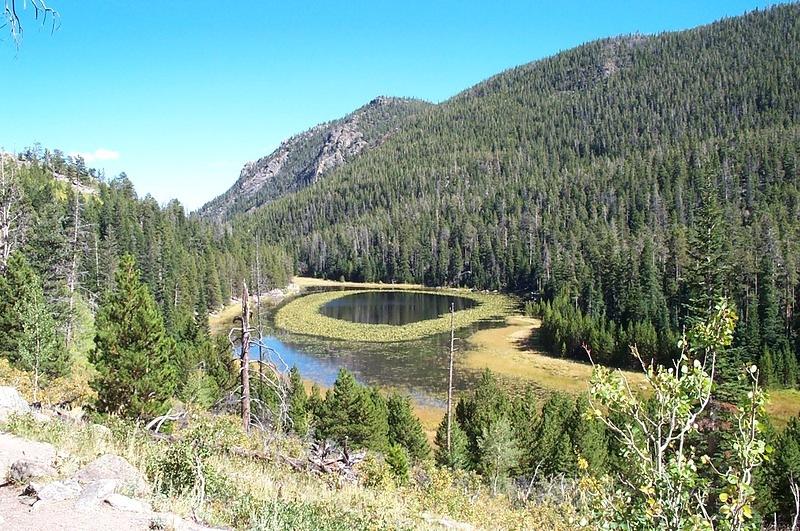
x: 582, y: 175
x: 72, y: 227
x: 303, y: 159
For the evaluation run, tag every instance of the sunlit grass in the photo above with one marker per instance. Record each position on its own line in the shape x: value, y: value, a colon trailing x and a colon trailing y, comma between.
x: 309, y: 282
x: 270, y: 495
x: 783, y: 404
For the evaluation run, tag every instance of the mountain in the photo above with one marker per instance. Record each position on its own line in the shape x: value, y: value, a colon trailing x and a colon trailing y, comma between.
x: 303, y: 159
x: 582, y: 175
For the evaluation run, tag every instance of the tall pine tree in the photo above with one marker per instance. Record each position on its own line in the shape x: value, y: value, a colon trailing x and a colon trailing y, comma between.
x: 133, y: 354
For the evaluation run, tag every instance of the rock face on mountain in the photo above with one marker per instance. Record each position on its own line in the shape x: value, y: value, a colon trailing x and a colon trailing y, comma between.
x: 303, y: 159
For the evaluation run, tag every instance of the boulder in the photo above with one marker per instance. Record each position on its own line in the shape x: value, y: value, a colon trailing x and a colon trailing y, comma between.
x: 24, y: 470
x: 124, y: 503
x: 11, y: 403
x: 114, y: 467
x: 13, y: 449
x: 95, y: 493
x: 52, y: 492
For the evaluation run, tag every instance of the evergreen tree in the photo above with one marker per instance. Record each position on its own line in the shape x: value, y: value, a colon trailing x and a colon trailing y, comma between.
x: 315, y: 405
x: 397, y: 458
x: 458, y: 456
x: 588, y: 437
x: 354, y: 415
x: 405, y: 428
x: 768, y: 374
x: 785, y: 467
x: 134, y: 358
x: 524, y: 419
x: 552, y: 447
x: 487, y: 404
x: 298, y: 403
x: 499, y: 452
x: 16, y: 283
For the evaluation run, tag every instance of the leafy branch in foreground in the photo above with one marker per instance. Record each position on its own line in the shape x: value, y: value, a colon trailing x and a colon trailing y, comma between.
x: 669, y: 482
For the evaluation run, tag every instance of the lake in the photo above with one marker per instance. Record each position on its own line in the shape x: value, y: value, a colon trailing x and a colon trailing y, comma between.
x: 418, y: 367
x: 393, y: 307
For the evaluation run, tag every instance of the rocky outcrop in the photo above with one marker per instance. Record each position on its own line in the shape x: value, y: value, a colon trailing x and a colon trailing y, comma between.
x: 113, y: 467
x: 11, y: 403
x: 305, y: 158
x: 25, y: 470
x: 14, y: 450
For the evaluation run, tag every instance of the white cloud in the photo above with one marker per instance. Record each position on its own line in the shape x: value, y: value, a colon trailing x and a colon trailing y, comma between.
x: 97, y: 154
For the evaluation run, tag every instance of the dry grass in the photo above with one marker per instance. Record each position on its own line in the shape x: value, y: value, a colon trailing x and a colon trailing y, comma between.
x: 504, y: 351
x: 275, y: 491
x: 783, y: 405
x: 308, y: 282
x: 222, y: 320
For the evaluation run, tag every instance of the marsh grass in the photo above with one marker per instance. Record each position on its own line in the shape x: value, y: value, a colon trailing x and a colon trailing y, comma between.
x: 303, y: 316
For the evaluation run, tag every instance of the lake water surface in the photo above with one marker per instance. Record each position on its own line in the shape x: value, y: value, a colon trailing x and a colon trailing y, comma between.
x: 418, y: 367
x: 393, y: 307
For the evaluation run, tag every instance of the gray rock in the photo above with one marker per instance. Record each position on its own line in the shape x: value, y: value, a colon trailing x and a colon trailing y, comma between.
x: 13, y: 449
x: 124, y: 503
x: 113, y: 467
x: 24, y: 470
x: 101, y: 431
x: 11, y: 403
x: 55, y: 491
x: 94, y: 493
x: 40, y: 417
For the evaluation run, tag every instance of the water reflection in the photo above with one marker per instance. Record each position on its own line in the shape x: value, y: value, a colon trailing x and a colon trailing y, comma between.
x: 393, y: 307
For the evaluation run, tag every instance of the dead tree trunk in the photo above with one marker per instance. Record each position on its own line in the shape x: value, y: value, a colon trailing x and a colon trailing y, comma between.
x: 258, y: 324
x: 245, y: 358
x: 450, y: 379
x: 10, y: 212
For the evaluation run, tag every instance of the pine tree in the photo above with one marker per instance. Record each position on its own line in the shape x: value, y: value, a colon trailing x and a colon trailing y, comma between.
x: 791, y: 372
x: 487, y: 404
x: 298, y: 403
x: 588, y: 437
x: 767, y: 372
x: 785, y: 466
x: 133, y: 355
x: 524, y: 418
x: 354, y: 415
x: 315, y: 405
x: 397, y: 458
x: 458, y: 456
x: 499, y: 452
x: 708, y: 267
x: 552, y: 448
x: 405, y: 428
x: 16, y: 283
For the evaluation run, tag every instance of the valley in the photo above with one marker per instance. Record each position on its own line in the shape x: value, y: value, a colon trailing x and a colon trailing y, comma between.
x: 554, y: 294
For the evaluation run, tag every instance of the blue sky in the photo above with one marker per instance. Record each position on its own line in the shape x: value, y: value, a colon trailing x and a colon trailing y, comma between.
x: 180, y: 94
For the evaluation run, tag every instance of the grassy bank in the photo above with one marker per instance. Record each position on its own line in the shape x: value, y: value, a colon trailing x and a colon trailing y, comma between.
x: 266, y: 493
x: 506, y: 351
x: 308, y: 282
x: 302, y: 316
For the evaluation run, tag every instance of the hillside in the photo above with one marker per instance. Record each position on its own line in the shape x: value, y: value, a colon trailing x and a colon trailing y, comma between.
x: 304, y: 158
x: 585, y: 175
